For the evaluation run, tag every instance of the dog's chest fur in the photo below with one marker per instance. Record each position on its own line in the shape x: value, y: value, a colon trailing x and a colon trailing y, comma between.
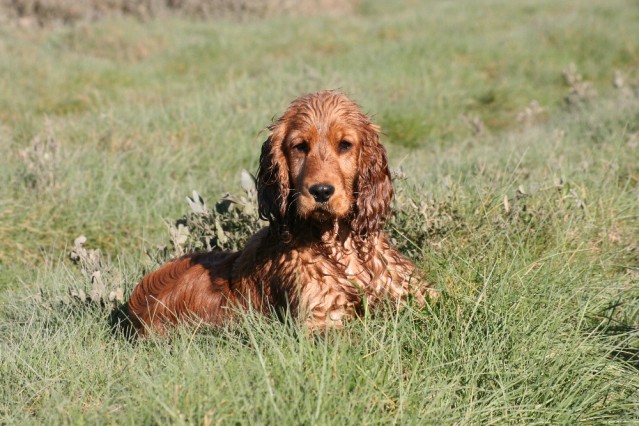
x: 326, y: 283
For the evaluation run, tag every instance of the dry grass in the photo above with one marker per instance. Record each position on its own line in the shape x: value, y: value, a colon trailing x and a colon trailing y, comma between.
x: 45, y: 12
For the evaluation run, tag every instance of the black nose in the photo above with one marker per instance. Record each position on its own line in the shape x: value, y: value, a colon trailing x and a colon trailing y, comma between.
x: 321, y: 192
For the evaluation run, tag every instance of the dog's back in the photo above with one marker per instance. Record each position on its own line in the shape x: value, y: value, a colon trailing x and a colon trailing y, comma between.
x: 196, y: 285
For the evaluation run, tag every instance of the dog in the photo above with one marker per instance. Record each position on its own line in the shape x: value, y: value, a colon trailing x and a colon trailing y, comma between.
x: 325, y: 189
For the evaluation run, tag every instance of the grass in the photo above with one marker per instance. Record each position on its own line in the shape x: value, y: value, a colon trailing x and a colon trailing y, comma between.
x: 529, y: 227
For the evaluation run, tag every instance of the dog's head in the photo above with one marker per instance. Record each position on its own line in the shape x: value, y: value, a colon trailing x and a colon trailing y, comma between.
x: 323, y: 162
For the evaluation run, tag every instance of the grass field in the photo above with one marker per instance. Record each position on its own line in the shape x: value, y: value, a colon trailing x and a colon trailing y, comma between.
x: 514, y: 126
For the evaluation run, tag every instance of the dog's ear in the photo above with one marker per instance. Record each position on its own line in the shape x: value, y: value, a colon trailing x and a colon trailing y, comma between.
x: 374, y: 189
x: 272, y: 177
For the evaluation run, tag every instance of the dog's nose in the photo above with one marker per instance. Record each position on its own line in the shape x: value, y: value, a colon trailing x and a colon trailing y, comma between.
x: 321, y: 192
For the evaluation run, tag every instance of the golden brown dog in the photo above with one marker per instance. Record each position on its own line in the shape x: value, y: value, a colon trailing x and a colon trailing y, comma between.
x: 325, y: 188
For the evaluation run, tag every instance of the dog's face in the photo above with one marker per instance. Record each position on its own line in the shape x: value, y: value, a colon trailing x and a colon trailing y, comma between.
x: 323, y: 161
x: 322, y: 153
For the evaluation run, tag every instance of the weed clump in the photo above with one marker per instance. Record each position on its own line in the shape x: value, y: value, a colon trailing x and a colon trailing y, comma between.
x: 531, y: 115
x: 40, y: 160
x: 580, y: 91
x: 226, y: 227
x: 104, y: 280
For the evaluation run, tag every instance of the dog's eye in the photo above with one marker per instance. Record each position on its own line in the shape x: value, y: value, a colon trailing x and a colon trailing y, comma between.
x: 301, y: 147
x: 344, y: 146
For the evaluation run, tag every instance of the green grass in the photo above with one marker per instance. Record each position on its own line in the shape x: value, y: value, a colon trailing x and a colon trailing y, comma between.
x: 539, y: 315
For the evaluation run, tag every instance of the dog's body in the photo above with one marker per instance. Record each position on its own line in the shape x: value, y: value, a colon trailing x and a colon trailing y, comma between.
x: 325, y: 188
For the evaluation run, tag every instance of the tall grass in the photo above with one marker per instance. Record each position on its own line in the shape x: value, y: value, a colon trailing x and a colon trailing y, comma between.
x: 524, y: 214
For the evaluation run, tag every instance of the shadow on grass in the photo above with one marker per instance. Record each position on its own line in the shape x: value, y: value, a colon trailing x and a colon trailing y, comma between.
x: 121, y: 324
x: 622, y: 334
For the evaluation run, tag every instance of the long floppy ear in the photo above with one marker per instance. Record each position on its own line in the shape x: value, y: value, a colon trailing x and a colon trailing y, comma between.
x: 272, y: 177
x: 374, y: 189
